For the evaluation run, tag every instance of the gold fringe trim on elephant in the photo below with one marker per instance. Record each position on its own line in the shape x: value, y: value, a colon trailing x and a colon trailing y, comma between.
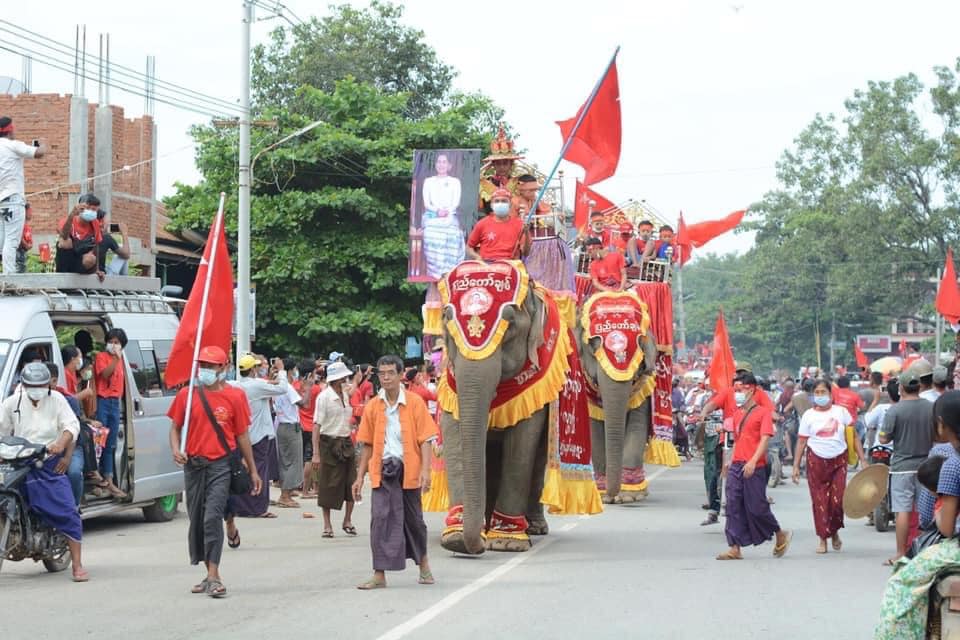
x: 432, y: 320
x: 565, y: 494
x: 661, y: 452
x: 438, y: 498
x: 643, y: 391
x: 567, y: 305
x: 643, y: 486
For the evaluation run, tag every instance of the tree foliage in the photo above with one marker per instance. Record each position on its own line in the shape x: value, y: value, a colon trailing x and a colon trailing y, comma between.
x: 852, y: 238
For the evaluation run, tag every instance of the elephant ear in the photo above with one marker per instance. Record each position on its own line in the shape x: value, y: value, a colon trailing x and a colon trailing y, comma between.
x: 538, y: 316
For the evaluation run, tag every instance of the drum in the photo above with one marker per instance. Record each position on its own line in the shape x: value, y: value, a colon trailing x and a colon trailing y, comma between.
x: 582, y: 261
x: 543, y: 226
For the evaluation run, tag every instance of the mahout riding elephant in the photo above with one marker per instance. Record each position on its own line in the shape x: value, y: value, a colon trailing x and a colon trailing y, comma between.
x: 618, y: 353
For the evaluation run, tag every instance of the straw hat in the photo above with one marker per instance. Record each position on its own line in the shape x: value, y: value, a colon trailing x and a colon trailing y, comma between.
x: 865, y: 491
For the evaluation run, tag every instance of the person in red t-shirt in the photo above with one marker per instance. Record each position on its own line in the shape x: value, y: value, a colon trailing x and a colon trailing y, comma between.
x: 750, y: 520
x: 80, y: 235
x: 608, y: 270
x: 109, y: 372
x: 206, y: 462
x: 413, y: 382
x: 498, y: 236
x: 847, y: 398
x: 309, y: 387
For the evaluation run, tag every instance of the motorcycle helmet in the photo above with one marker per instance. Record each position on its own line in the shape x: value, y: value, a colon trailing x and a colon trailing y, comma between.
x: 35, y: 374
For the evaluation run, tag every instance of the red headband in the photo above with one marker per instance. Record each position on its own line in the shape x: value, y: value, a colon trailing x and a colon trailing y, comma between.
x: 7, y: 129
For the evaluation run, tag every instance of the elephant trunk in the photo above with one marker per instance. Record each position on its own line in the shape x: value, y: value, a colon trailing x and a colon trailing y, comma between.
x: 616, y: 396
x: 476, y: 382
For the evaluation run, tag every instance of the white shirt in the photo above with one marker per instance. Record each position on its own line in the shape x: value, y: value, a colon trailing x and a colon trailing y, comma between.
x: 285, y: 407
x: 259, y: 393
x: 393, y: 438
x: 12, y: 153
x: 42, y: 424
x: 442, y: 192
x: 331, y: 415
x: 930, y: 394
x: 826, y: 430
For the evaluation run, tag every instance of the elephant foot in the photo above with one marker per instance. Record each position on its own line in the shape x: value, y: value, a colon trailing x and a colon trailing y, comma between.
x: 538, y: 528
x: 633, y: 496
x: 607, y: 499
x: 508, y: 542
x: 452, y: 540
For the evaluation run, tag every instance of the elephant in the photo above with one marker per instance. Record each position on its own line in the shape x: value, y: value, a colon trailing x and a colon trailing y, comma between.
x: 619, y: 440
x: 495, y: 470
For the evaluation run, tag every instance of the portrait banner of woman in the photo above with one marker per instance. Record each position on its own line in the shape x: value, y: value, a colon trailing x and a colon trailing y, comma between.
x: 443, y: 209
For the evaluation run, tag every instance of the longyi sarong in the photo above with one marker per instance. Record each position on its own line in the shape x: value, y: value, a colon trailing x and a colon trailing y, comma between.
x: 290, y: 453
x: 827, y: 479
x: 749, y: 518
x: 49, y: 495
x: 207, y: 485
x: 248, y: 506
x: 397, y: 529
x: 443, y: 244
x: 550, y: 263
x: 338, y: 471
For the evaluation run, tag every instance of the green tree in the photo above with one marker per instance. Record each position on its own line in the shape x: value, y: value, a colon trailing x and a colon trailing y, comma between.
x: 329, y: 214
x: 370, y: 44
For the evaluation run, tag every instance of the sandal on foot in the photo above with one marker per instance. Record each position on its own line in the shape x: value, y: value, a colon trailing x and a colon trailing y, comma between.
x: 81, y: 576
x: 215, y: 589
x: 426, y: 578
x: 837, y: 544
x: 234, y: 541
x: 202, y: 587
x: 729, y: 555
x: 372, y: 583
x: 350, y: 530
x: 286, y: 505
x: 268, y: 514
x: 780, y: 549
x: 327, y: 533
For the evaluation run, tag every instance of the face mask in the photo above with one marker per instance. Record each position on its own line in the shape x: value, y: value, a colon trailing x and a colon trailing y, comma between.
x: 113, y: 348
x: 37, y: 394
x: 740, y: 398
x: 79, y: 364
x: 501, y: 209
x: 207, y: 377
x: 88, y: 215
x: 86, y: 375
x: 296, y: 375
x: 821, y: 401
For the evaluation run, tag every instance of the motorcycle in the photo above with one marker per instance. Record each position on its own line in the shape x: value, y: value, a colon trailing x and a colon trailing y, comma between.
x: 22, y: 535
x: 882, y: 514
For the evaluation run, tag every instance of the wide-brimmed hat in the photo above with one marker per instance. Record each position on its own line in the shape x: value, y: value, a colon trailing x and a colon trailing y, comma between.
x: 502, y: 148
x: 865, y: 491
x: 338, y: 371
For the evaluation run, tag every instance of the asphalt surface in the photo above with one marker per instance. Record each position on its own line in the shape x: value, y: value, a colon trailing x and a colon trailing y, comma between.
x: 645, y: 570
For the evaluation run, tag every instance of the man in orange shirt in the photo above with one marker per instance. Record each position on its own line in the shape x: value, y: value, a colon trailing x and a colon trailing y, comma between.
x: 109, y: 372
x: 498, y: 236
x: 608, y: 269
x: 396, y: 432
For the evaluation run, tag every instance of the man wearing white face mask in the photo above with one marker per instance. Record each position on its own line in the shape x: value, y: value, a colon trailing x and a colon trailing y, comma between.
x: 41, y: 415
x: 498, y: 236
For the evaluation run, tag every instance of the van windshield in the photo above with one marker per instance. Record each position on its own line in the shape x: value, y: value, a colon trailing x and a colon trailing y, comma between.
x: 4, y: 352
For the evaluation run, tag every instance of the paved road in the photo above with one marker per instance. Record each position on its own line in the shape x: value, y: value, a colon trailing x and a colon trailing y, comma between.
x: 634, y: 571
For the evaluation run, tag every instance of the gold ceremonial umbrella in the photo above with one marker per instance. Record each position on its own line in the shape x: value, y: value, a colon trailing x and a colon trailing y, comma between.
x: 888, y: 366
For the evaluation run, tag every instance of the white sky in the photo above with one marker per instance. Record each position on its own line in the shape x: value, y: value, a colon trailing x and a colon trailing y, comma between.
x: 711, y: 91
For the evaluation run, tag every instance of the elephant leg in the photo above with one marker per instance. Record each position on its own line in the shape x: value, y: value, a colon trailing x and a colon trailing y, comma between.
x: 508, y: 524
x: 634, y: 448
x: 536, y: 520
x: 452, y: 536
x: 598, y: 454
x: 494, y: 466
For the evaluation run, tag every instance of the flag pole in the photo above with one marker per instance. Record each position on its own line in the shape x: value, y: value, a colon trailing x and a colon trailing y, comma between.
x: 217, y: 226
x: 573, y: 134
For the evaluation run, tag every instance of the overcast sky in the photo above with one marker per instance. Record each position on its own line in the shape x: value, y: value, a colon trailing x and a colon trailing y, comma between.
x: 711, y: 91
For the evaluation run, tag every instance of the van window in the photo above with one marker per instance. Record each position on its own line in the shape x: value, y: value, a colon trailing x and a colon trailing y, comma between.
x: 31, y: 352
x: 161, y: 348
x: 141, y: 363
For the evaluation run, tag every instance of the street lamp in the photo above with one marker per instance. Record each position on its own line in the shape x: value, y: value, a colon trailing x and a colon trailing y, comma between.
x: 243, y: 243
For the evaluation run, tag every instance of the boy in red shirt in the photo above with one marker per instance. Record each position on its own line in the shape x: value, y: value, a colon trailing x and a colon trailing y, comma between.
x: 206, y: 461
x: 498, y: 236
x: 309, y: 387
x: 108, y: 373
x: 608, y: 269
x: 749, y: 518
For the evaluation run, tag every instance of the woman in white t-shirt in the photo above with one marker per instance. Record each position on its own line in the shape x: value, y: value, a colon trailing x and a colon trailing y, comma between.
x: 823, y: 434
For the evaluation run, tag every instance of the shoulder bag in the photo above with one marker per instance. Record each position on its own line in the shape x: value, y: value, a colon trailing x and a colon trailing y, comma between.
x: 240, y: 481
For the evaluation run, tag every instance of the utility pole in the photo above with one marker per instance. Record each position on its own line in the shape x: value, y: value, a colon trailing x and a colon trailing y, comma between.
x: 939, y: 328
x: 243, y: 208
x: 681, y: 314
x: 833, y: 340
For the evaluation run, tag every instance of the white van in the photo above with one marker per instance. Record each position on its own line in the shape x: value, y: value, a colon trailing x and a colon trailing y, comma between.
x: 41, y: 313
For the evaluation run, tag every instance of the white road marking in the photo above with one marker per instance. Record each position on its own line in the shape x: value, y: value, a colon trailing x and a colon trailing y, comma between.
x: 425, y: 616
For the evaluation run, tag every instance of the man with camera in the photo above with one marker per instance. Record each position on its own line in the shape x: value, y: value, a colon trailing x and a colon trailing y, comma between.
x: 13, y: 199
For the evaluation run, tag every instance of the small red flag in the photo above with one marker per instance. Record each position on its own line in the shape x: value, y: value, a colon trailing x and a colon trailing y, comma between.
x: 948, y: 295
x: 596, y: 143
x: 903, y: 349
x: 581, y: 210
x: 861, y: 357
x: 699, y: 234
x: 722, y: 366
x: 218, y: 319
x: 684, y: 248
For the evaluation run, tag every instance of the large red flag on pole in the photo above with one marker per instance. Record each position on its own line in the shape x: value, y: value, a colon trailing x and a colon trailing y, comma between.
x: 696, y: 235
x: 213, y: 289
x: 581, y: 210
x: 948, y: 294
x: 722, y: 366
x: 595, y: 144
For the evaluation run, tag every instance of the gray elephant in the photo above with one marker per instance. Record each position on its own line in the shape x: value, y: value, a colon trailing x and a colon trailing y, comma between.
x: 618, y: 353
x: 505, y: 363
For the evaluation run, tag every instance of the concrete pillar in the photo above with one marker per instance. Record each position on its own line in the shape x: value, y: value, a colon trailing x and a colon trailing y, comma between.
x: 103, y: 156
x: 153, y: 201
x: 78, y: 144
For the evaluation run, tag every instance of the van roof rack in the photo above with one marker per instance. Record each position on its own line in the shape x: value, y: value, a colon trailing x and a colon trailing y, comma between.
x: 75, y: 292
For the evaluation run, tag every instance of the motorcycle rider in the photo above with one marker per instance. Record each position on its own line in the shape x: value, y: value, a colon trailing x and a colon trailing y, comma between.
x: 37, y: 413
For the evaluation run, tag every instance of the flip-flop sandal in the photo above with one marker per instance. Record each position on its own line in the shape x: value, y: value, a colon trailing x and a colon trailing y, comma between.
x: 327, y: 534
x: 426, y: 578
x: 200, y: 588
x: 726, y: 555
x: 285, y: 505
x: 370, y: 584
x: 234, y: 541
x: 889, y: 562
x: 268, y: 514
x: 837, y: 544
x: 350, y: 530
x: 81, y: 576
x: 215, y: 589
x: 779, y: 550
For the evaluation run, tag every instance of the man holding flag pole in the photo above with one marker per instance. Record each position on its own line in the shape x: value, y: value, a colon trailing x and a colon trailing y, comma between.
x: 206, y: 433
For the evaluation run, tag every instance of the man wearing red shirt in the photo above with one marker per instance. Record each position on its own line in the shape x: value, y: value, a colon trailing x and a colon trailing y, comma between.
x: 749, y: 518
x: 497, y: 236
x: 206, y: 462
x: 309, y: 388
x: 109, y: 372
x: 608, y: 270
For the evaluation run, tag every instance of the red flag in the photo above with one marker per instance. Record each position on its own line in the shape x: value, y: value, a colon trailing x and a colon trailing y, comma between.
x: 218, y: 319
x: 722, y: 366
x: 903, y: 349
x: 948, y: 295
x: 596, y: 143
x: 581, y: 209
x: 699, y: 234
x: 861, y: 357
x: 684, y: 247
